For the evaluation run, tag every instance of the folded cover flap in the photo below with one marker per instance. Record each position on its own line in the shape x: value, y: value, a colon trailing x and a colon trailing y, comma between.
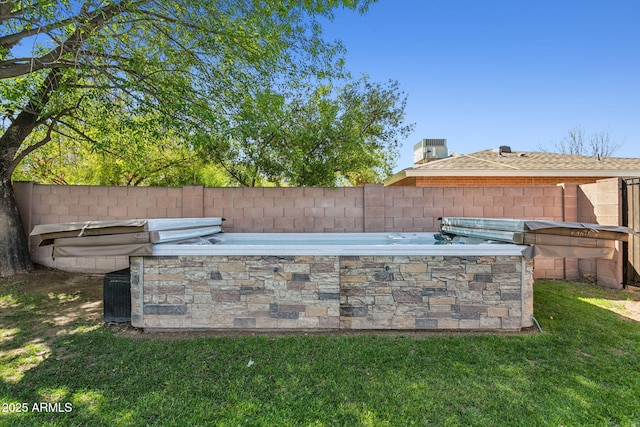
x: 137, y: 249
x: 106, y: 240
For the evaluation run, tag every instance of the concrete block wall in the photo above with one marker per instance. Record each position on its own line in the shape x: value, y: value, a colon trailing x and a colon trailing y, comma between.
x: 371, y: 208
x: 44, y: 204
x: 294, y: 210
x: 601, y: 203
x: 418, y: 208
x: 568, y: 266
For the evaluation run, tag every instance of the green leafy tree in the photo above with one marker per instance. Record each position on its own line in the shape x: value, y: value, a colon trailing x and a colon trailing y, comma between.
x: 164, y: 55
x: 117, y: 150
x: 319, y: 137
x: 167, y: 162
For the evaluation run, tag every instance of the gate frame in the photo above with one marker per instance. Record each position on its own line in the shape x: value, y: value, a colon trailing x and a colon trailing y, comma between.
x: 626, y: 211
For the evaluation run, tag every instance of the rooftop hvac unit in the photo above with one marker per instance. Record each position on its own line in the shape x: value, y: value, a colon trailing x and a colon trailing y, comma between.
x: 430, y: 149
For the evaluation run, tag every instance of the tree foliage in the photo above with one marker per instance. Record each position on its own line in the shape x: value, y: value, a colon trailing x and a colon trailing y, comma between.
x: 183, y: 60
x: 322, y: 136
x: 110, y: 148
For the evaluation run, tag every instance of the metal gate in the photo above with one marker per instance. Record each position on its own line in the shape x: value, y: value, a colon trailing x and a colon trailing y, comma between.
x: 631, y: 219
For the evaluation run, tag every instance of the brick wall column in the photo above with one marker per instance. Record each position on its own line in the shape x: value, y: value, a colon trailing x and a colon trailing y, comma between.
x: 570, y: 214
x: 570, y: 202
x: 193, y: 201
x: 374, y: 216
x: 608, y: 209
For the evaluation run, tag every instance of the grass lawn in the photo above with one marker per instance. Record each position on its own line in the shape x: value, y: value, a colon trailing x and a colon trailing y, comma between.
x: 584, y: 369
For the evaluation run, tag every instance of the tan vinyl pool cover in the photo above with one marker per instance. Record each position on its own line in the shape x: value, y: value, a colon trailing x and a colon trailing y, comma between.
x: 122, y: 237
x: 548, y: 238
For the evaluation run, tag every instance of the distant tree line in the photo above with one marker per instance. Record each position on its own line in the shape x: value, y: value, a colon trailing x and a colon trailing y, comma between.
x: 324, y: 135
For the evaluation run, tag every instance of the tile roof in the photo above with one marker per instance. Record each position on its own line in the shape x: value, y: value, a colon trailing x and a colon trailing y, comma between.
x: 530, y: 161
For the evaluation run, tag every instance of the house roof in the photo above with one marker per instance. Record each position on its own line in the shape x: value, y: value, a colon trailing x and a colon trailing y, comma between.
x: 523, y: 163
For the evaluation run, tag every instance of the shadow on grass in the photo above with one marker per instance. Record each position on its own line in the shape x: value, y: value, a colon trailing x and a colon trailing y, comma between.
x: 30, y: 323
x: 582, y: 370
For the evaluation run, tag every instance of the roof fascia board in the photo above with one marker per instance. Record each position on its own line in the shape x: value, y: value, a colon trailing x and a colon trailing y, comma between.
x: 397, y: 177
x: 490, y: 172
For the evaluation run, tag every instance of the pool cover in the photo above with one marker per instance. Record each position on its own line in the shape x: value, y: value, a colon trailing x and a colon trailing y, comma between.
x: 122, y: 237
x: 548, y: 238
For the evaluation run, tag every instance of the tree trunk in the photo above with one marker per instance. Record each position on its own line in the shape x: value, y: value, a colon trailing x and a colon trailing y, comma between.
x: 14, y: 249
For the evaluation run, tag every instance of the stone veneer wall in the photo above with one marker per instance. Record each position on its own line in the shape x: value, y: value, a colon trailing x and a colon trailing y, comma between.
x: 332, y: 292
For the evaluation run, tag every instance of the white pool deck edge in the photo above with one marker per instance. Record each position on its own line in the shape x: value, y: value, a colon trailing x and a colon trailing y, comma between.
x: 238, y: 244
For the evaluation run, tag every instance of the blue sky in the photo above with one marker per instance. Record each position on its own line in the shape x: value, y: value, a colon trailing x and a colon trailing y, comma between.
x: 485, y: 73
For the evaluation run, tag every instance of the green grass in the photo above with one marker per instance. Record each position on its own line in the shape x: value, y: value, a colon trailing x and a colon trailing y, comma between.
x: 583, y: 370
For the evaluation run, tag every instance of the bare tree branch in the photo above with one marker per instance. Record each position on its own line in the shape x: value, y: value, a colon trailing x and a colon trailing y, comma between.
x: 576, y: 143
x: 6, y: 13
x: 10, y: 40
x: 24, y: 153
x: 95, y: 20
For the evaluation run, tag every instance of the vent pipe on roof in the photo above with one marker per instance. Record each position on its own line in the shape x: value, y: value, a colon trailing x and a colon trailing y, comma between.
x: 504, y: 149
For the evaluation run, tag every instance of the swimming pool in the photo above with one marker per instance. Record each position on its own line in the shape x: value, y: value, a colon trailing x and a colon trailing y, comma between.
x: 332, y: 281
x: 334, y: 244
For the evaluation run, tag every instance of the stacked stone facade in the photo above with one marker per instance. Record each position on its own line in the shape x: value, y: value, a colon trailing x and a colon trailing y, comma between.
x: 332, y: 292
x: 435, y: 292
